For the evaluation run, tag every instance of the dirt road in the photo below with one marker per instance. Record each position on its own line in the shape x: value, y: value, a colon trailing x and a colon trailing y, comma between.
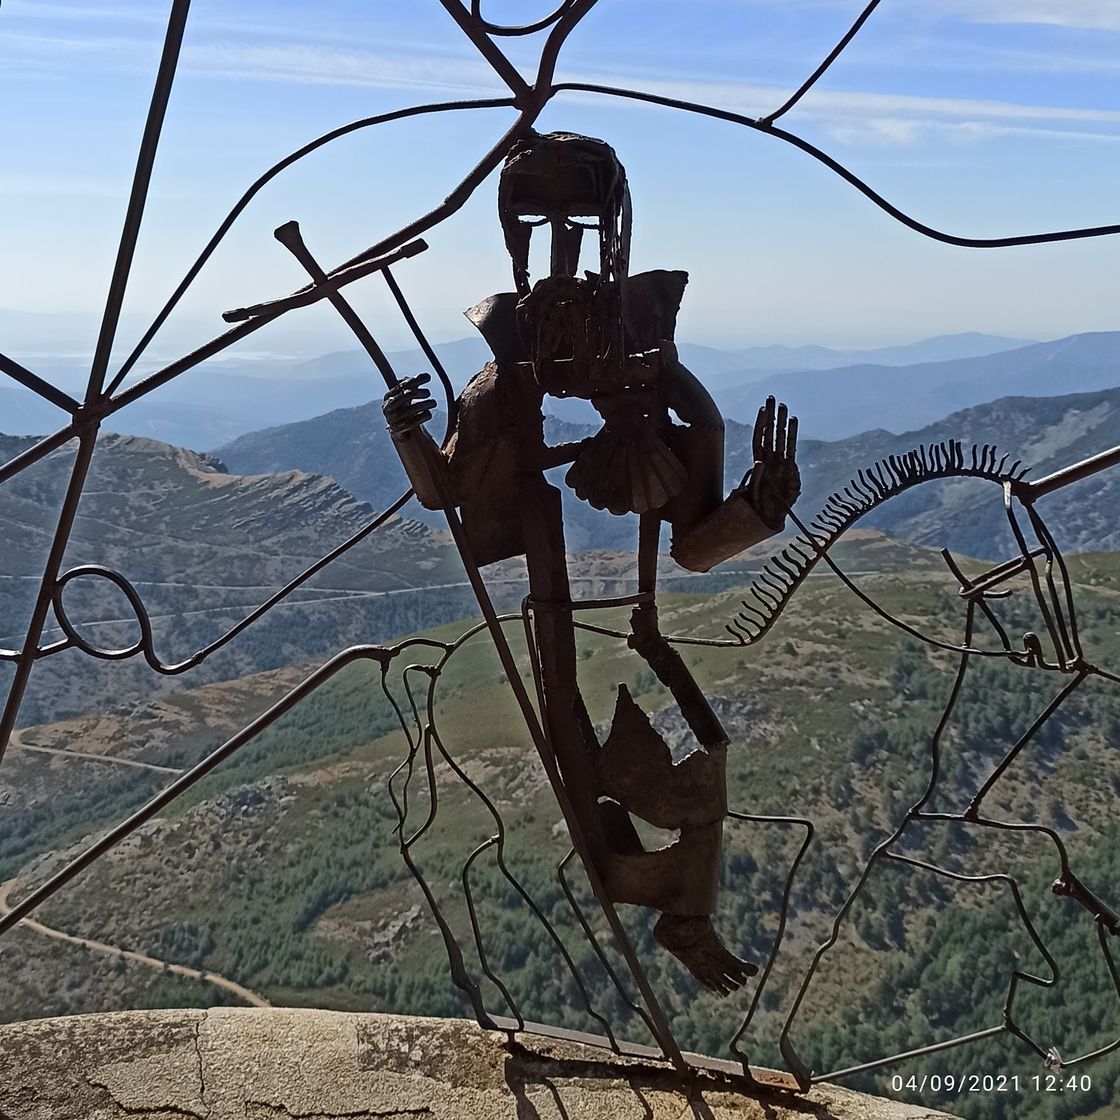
x: 238, y: 990
x: 16, y: 743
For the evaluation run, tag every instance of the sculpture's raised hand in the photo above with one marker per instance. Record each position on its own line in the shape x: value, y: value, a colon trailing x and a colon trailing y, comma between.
x: 775, y: 481
x: 408, y: 404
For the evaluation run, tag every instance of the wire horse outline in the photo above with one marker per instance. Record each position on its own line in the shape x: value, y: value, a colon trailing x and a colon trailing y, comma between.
x: 1069, y: 660
x: 107, y: 394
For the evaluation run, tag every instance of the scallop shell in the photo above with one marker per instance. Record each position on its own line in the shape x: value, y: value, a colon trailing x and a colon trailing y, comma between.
x: 626, y: 470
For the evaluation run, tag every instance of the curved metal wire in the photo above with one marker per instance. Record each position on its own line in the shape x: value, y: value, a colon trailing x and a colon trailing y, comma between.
x: 517, y: 29
x: 817, y: 74
x: 783, y: 919
x: 144, y: 645
x: 834, y: 165
x: 261, y: 182
x: 768, y: 594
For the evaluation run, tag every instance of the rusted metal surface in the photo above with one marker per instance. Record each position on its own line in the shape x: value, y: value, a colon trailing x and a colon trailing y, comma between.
x: 608, y: 338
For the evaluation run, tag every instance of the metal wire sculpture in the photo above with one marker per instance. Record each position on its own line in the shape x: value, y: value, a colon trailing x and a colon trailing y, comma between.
x: 1058, y: 649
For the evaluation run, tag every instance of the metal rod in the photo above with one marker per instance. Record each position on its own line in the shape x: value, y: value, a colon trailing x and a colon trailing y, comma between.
x: 1071, y: 474
x: 974, y: 805
x: 37, y: 451
x: 289, y: 236
x: 141, y: 180
x: 63, y: 528
x: 817, y: 74
x: 324, y: 288
x: 177, y: 788
x: 223, y: 341
x: 425, y: 346
x: 486, y: 46
x: 935, y: 1048
x: 37, y: 385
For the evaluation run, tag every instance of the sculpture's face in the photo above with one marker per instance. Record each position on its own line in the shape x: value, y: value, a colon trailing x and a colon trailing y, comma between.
x: 567, y: 185
x: 564, y: 206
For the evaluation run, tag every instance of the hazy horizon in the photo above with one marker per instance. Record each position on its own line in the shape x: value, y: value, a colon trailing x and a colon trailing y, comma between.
x: 22, y: 339
x: 984, y: 118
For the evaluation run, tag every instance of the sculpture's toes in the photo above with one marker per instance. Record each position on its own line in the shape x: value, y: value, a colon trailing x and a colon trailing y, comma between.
x: 695, y: 943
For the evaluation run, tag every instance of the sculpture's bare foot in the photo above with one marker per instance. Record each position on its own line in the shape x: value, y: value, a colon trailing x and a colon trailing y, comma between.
x: 695, y: 943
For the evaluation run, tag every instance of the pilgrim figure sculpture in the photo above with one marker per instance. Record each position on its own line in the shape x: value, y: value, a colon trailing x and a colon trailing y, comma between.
x: 606, y: 337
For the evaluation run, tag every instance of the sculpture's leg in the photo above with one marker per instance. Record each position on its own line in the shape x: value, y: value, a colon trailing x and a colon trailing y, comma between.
x: 685, y: 927
x: 569, y: 727
x: 688, y: 932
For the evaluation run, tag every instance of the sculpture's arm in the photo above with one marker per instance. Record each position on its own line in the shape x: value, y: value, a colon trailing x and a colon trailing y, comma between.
x: 408, y: 407
x: 708, y: 528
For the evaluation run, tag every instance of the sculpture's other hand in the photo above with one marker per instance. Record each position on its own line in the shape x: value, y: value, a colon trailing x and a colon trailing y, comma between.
x: 775, y: 481
x: 408, y: 405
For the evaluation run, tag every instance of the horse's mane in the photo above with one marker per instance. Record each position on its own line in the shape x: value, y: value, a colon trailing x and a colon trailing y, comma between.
x: 769, y: 592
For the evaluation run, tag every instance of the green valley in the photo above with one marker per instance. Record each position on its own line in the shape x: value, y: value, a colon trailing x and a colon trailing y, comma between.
x: 282, y: 871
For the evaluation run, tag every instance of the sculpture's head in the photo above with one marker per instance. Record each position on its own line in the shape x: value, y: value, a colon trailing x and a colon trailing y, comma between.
x: 568, y: 185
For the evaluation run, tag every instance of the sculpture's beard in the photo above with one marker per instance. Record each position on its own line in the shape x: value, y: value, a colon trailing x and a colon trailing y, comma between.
x: 575, y: 334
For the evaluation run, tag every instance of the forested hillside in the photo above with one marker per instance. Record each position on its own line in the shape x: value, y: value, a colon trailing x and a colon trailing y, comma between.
x: 283, y: 872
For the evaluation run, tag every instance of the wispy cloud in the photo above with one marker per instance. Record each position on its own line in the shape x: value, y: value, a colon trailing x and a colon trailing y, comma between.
x: 54, y: 57
x: 288, y: 62
x: 1098, y: 15
x: 888, y: 117
x: 893, y: 132
x: 1094, y: 15
x: 14, y: 184
x: 74, y: 13
x: 991, y: 60
x: 851, y: 117
x: 314, y: 65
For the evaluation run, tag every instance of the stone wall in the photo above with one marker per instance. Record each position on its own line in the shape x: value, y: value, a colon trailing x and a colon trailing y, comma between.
x: 280, y: 1064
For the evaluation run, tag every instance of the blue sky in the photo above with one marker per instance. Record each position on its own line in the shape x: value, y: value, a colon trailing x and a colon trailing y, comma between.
x: 981, y: 117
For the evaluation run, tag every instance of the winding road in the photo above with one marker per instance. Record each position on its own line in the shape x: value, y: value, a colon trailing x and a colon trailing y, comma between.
x: 238, y: 990
x: 16, y: 743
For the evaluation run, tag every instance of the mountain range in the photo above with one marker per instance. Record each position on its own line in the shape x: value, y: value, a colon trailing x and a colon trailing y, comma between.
x: 837, y: 394
x: 353, y: 447
x: 967, y: 515
x: 836, y: 404
x: 225, y: 398
x: 204, y: 548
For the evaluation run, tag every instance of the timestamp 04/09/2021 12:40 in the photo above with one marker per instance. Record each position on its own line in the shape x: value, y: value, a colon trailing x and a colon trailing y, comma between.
x: 959, y: 1084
